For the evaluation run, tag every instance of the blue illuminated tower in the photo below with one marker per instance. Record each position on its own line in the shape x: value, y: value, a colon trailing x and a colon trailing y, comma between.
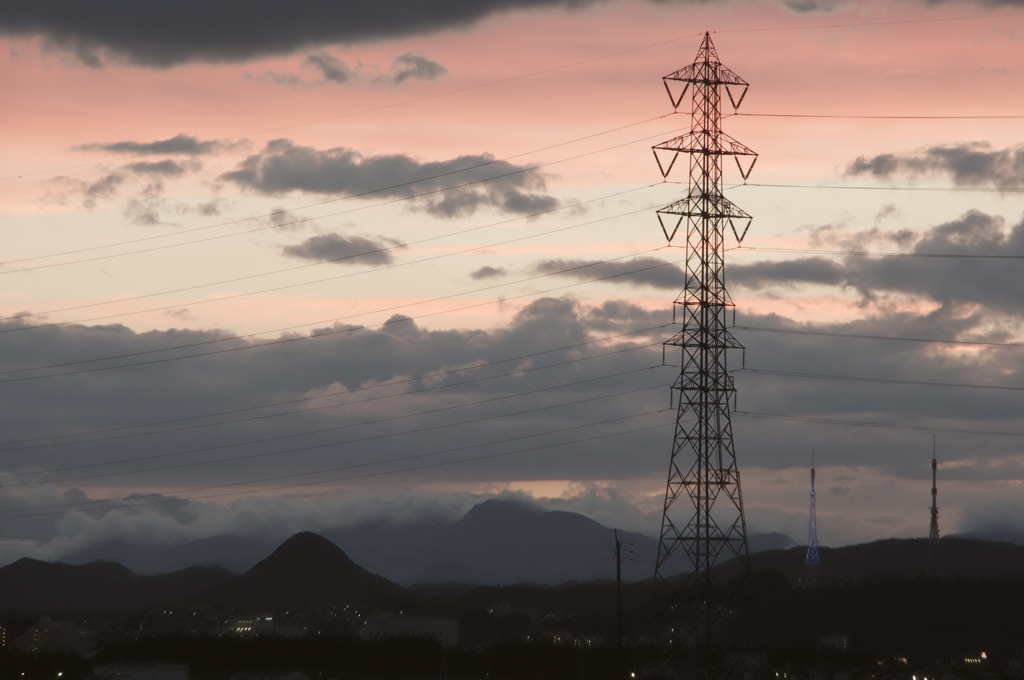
x: 813, y: 560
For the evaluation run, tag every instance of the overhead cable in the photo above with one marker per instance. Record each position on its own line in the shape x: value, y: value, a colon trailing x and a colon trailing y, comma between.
x: 135, y: 499
x: 51, y: 443
x: 337, y: 331
x: 865, y: 336
x: 387, y: 435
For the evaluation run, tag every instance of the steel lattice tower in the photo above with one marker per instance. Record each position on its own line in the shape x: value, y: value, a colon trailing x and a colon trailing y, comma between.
x: 934, y: 561
x: 703, y: 513
x: 813, y: 559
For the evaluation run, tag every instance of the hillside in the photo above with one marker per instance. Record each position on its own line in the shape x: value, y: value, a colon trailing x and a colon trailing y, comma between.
x: 305, y: 570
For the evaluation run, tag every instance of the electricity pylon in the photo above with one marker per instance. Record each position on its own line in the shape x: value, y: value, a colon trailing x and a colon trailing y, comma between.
x: 813, y: 559
x: 703, y: 514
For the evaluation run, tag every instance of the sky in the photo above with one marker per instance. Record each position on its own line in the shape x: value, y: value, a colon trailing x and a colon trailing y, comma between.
x: 288, y: 266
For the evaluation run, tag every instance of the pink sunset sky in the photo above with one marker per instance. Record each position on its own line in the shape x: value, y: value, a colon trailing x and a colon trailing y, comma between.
x: 122, y: 248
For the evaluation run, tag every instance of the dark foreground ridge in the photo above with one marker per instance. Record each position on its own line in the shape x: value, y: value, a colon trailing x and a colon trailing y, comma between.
x: 306, y: 570
x: 308, y: 607
x: 30, y: 585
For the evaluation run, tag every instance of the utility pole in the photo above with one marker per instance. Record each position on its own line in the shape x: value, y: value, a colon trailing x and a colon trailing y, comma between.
x: 703, y: 522
x: 813, y: 559
x: 620, y: 666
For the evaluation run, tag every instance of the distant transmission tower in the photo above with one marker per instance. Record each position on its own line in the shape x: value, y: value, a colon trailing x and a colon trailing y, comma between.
x: 934, y: 559
x: 710, y: 528
x: 813, y: 559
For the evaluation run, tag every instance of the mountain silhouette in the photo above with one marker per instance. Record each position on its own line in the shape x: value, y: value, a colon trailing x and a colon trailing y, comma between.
x: 305, y: 570
x: 499, y: 541
x: 30, y: 585
x: 900, y: 557
x: 233, y: 553
x: 503, y: 541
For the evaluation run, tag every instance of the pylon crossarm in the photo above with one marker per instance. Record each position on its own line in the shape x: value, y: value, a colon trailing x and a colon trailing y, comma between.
x: 707, y: 73
x: 715, y: 143
x: 714, y: 207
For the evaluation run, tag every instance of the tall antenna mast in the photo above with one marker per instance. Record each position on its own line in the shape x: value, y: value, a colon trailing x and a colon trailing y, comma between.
x: 934, y: 560
x: 710, y: 528
x: 813, y: 559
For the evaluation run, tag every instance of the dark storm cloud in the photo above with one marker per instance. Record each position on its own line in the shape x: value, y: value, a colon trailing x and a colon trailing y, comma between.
x: 164, y: 168
x: 413, y: 66
x: 104, y: 187
x: 348, y: 250
x: 179, y: 144
x: 995, y: 283
x: 345, y: 364
x: 801, y: 271
x: 640, y: 271
x: 619, y: 316
x: 357, y: 423
x: 145, y: 178
x: 968, y: 164
x: 812, y: 6
x: 163, y: 34
x: 841, y: 238
x: 284, y: 166
x: 331, y: 68
x: 488, y: 273
x: 812, y: 394
x: 986, y: 3
x: 343, y: 361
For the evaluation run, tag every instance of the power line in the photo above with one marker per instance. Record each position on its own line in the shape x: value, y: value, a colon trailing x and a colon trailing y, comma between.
x: 868, y: 253
x: 336, y: 331
x: 874, y: 117
x: 326, y: 202
x: 1008, y: 190
x: 163, y: 500
x: 889, y: 381
x: 312, y: 447
x: 336, y: 260
x: 375, y: 108
x: 427, y: 376
x: 864, y: 336
x: 889, y: 426
x: 185, y: 147
x: 895, y: 22
x: 355, y: 402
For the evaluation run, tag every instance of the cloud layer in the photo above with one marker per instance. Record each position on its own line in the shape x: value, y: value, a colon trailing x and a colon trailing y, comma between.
x: 957, y: 264
x: 284, y: 166
x: 967, y: 164
x: 348, y: 250
x: 161, y: 35
x: 639, y: 271
x: 412, y: 65
x: 179, y: 144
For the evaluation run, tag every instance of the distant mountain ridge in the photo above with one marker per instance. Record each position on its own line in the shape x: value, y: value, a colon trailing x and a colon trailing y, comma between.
x: 309, y: 570
x: 901, y: 557
x: 305, y: 570
x: 234, y: 553
x: 507, y: 541
x: 36, y: 586
x: 497, y: 542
